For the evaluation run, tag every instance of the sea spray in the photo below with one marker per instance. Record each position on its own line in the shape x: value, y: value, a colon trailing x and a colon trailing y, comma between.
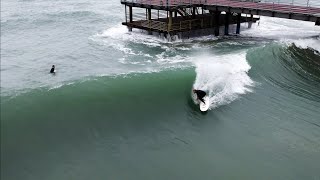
x: 223, y: 77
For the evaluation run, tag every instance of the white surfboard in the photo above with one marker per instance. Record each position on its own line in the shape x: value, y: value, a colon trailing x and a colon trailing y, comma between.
x: 205, y: 106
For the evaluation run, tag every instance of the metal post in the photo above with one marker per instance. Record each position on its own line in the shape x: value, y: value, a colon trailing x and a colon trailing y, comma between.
x: 149, y: 14
x: 250, y: 21
x: 130, y: 13
x: 170, y: 21
x: 216, y: 22
x: 149, y: 21
x: 238, y: 23
x: 130, y: 17
x: 193, y: 12
x: 125, y: 11
x: 308, y: 6
x: 226, y: 26
x: 272, y: 6
x: 318, y: 21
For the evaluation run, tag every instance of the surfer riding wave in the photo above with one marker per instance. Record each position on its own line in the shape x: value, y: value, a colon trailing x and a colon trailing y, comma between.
x: 200, y: 95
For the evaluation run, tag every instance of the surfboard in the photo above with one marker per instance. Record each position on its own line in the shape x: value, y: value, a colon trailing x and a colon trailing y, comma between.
x: 204, y: 106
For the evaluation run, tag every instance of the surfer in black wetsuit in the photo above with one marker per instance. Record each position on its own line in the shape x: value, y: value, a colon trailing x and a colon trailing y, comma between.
x: 200, y: 94
x: 52, y: 69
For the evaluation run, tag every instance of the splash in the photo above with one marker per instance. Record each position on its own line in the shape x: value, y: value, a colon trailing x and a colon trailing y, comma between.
x: 223, y: 77
x: 303, y: 34
x: 120, y: 33
x: 313, y: 43
x: 277, y: 28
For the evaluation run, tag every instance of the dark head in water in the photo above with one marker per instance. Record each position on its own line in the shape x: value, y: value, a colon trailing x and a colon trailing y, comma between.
x: 52, y: 69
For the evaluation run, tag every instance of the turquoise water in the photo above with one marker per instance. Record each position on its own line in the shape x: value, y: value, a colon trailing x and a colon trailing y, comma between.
x: 120, y: 106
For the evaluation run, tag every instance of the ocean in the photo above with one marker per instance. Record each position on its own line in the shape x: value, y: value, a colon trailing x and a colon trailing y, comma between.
x: 120, y: 105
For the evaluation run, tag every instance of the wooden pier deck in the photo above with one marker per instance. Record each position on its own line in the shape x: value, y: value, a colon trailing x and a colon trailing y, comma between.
x: 297, y: 12
x: 180, y: 16
x: 180, y: 24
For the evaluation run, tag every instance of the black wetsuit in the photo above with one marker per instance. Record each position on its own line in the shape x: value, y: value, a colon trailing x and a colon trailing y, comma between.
x: 200, y: 95
x: 52, y: 70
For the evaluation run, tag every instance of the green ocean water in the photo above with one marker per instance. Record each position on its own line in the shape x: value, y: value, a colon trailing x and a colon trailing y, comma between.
x: 120, y: 105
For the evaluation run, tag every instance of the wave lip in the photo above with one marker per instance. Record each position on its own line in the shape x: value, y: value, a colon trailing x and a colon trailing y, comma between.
x: 288, y: 68
x: 223, y: 77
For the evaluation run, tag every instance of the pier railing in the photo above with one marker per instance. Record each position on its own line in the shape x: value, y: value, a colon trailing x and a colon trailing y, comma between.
x: 306, y: 3
x: 308, y: 7
x: 155, y: 25
x: 177, y: 26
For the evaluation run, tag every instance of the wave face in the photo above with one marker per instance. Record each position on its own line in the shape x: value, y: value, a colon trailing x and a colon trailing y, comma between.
x: 120, y: 105
x: 291, y: 69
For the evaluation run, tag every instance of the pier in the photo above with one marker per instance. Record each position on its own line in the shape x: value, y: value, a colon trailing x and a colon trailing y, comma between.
x: 187, y: 17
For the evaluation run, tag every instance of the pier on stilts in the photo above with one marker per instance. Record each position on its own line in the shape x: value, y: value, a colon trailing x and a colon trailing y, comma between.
x: 201, y: 17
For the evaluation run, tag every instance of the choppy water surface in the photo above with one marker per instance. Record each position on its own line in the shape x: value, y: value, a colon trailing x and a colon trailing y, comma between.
x: 120, y: 106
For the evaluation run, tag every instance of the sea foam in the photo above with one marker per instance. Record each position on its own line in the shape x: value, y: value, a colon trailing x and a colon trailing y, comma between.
x: 223, y: 77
